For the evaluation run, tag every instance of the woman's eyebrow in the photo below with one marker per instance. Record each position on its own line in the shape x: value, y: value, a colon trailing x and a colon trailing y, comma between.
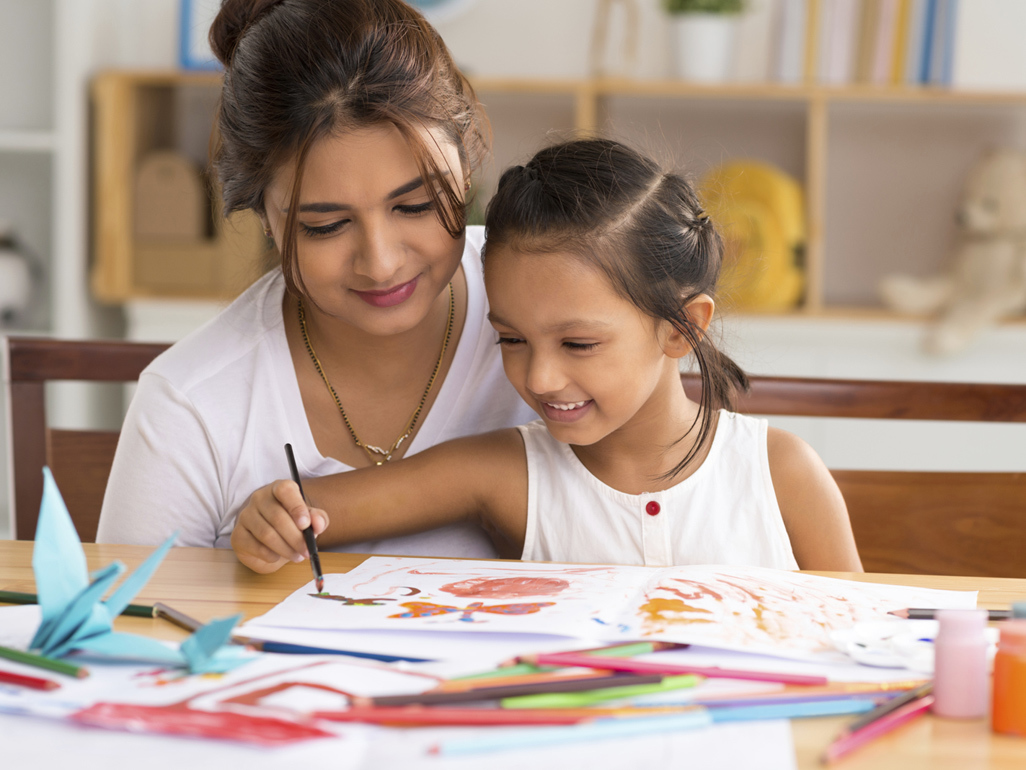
x: 328, y: 208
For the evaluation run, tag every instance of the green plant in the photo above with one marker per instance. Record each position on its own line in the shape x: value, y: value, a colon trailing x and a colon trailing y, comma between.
x: 704, y: 6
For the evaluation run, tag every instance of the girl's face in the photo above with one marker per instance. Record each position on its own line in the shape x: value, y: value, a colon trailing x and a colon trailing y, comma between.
x: 584, y: 358
x: 370, y: 247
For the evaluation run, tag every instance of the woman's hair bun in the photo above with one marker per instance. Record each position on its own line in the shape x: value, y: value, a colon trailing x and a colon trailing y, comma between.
x: 234, y: 18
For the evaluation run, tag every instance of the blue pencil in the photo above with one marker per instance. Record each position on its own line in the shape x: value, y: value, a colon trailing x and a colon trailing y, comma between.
x: 302, y: 649
x: 590, y: 731
x: 824, y: 708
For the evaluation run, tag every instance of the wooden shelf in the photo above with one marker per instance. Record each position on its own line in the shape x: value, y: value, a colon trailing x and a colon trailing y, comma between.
x: 824, y: 136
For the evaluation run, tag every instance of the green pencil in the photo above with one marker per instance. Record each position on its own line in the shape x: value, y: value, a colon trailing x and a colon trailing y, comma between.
x: 41, y: 661
x: 16, y: 597
x: 566, y: 700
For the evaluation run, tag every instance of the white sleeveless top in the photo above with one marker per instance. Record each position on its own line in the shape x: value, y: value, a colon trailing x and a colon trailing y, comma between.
x: 726, y: 512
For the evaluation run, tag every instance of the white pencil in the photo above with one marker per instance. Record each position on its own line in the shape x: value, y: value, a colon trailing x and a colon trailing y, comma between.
x: 591, y: 731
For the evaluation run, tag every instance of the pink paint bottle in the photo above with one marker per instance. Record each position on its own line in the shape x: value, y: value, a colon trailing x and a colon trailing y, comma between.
x: 961, y: 667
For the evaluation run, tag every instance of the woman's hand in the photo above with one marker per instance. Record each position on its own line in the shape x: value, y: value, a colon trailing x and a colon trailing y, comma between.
x: 269, y: 530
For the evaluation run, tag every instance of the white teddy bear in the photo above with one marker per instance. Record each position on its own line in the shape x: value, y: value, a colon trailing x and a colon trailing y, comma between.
x: 987, y: 280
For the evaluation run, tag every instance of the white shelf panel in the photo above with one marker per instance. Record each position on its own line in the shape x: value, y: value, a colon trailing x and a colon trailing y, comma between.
x: 27, y: 141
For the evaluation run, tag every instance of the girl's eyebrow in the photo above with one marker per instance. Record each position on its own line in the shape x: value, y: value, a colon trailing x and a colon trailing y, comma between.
x: 575, y: 324
x: 328, y: 208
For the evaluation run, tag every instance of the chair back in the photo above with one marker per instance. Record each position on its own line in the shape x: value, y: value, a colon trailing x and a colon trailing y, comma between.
x: 936, y: 522
x: 79, y: 459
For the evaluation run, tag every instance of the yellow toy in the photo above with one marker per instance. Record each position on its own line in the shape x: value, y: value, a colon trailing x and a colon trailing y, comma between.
x: 760, y: 213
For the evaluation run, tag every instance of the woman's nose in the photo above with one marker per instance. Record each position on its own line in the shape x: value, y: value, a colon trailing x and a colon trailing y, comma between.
x: 380, y: 254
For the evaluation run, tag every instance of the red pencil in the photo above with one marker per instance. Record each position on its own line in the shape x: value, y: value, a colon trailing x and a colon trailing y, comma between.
x: 652, y: 667
x: 848, y: 742
x: 28, y: 681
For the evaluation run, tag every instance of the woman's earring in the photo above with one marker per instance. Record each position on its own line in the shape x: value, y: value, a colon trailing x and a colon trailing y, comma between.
x: 466, y: 186
x: 268, y: 233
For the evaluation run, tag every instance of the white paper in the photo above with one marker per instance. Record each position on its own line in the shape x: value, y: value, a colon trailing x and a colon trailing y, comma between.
x: 746, y: 609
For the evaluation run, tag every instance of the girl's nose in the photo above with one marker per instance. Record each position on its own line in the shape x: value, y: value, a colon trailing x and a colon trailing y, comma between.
x: 380, y: 254
x: 544, y: 376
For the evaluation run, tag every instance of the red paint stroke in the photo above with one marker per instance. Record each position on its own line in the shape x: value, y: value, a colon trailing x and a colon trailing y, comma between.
x: 506, y: 588
x: 176, y: 720
x: 253, y: 698
x: 701, y: 590
x: 427, y: 609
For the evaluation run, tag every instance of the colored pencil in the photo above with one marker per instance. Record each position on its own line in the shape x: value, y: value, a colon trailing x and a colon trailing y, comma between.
x: 308, y: 533
x: 180, y: 619
x: 505, y: 670
x: 509, y: 691
x: 17, y: 597
x: 926, y: 613
x: 33, y: 682
x: 41, y: 661
x: 628, y: 650
x: 851, y: 741
x: 454, y: 717
x: 555, y: 675
x: 828, y: 708
x: 891, y: 705
x: 653, y: 667
x: 560, y: 700
x: 589, y: 731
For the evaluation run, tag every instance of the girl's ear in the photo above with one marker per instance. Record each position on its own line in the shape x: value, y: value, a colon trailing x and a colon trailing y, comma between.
x: 700, y: 311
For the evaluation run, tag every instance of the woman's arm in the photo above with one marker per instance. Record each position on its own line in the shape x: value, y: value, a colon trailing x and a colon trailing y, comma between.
x: 478, y: 478
x: 166, y: 475
x: 812, y: 506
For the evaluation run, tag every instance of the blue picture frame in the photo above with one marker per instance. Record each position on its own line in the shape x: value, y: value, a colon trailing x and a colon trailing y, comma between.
x: 195, y: 17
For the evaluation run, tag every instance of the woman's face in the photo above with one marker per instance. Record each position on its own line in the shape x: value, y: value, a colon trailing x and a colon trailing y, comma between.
x: 371, y: 249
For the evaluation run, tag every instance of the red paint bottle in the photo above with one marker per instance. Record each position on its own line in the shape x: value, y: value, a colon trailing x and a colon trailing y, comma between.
x: 1009, y: 702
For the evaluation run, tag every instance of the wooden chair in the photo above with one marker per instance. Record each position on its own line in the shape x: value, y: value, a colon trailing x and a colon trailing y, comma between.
x: 940, y: 523
x: 79, y: 459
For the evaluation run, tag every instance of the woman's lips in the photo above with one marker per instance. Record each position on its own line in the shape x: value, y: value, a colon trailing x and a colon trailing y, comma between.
x: 388, y: 297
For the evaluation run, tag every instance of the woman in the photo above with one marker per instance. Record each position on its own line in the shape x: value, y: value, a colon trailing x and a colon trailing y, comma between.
x: 346, y: 127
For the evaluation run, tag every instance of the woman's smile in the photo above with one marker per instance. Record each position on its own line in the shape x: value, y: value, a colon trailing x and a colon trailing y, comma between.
x: 391, y: 297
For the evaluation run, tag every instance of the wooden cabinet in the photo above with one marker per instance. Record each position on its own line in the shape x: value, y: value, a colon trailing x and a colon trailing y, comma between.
x: 135, y: 114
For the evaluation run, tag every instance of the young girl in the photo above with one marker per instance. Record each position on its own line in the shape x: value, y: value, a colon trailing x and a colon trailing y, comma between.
x: 599, y: 270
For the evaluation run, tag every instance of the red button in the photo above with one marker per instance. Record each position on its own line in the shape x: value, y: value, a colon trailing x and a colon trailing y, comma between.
x: 652, y: 508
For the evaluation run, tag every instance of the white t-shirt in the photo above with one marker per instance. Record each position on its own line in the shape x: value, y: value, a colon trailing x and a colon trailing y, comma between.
x: 210, y: 417
x: 725, y: 512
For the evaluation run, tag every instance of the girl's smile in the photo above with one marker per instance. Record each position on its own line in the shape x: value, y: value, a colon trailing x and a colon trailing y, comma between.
x: 566, y: 412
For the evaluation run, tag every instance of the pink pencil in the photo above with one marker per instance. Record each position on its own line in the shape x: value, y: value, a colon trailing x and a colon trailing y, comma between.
x: 851, y: 741
x: 652, y: 667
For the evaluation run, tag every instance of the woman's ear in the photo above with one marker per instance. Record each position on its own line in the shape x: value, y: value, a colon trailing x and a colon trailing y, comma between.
x: 700, y: 312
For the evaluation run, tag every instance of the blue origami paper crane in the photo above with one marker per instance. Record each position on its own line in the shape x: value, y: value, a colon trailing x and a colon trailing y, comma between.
x: 75, y: 618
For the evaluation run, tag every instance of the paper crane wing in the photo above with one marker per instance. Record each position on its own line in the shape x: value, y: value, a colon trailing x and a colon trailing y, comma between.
x: 73, y: 615
x: 207, y: 650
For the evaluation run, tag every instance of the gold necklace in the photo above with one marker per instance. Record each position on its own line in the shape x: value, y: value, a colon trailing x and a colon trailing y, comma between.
x: 376, y: 452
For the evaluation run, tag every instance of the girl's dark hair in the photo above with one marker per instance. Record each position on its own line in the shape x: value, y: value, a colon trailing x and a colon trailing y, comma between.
x: 614, y: 208
x: 299, y: 70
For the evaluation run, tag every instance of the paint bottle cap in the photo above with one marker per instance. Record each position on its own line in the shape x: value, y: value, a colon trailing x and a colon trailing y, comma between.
x: 961, y: 625
x: 1019, y: 610
x: 1013, y: 637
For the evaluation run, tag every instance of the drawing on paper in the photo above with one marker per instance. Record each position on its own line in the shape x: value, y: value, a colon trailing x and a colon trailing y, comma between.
x: 428, y: 610
x: 506, y: 587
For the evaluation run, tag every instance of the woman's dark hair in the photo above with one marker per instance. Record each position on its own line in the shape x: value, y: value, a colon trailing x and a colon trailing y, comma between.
x: 608, y: 205
x: 299, y: 70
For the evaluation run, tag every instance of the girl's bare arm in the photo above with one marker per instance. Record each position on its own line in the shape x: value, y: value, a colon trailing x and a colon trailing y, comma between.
x: 812, y: 506
x: 477, y: 478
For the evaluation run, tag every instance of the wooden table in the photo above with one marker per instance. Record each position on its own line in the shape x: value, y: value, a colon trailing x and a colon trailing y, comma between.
x: 209, y: 583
